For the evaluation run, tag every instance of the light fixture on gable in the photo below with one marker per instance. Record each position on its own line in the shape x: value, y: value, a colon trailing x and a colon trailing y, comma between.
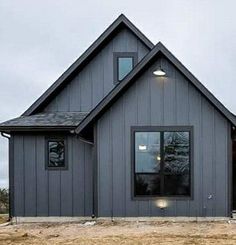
x: 159, y: 72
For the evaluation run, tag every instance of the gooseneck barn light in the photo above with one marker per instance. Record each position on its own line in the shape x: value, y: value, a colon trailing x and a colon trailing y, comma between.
x: 159, y: 72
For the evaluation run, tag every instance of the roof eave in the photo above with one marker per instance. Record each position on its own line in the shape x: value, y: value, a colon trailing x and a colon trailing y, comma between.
x: 159, y: 48
x: 198, y: 85
x: 9, y: 129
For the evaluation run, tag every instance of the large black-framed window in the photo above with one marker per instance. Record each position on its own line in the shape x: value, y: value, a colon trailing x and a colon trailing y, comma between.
x: 162, y: 161
x: 56, y: 153
x: 123, y: 63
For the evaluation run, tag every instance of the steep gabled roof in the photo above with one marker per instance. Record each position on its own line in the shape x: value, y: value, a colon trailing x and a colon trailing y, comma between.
x: 159, y: 49
x: 119, y: 23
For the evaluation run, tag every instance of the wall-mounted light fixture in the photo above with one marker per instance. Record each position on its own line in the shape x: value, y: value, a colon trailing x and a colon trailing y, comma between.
x: 159, y: 72
x: 162, y: 204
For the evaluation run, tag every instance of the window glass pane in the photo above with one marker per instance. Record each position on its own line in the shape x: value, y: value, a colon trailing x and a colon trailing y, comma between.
x: 56, y: 151
x: 173, y: 169
x: 147, y: 152
x: 125, y: 65
x: 176, y: 151
x: 176, y: 185
x: 147, y: 184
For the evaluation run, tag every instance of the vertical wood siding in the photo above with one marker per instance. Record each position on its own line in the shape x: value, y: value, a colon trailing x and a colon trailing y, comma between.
x: 95, y: 81
x: 168, y: 101
x: 41, y: 192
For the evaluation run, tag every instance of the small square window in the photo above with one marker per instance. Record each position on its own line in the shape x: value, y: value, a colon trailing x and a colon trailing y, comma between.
x: 56, y: 152
x: 123, y: 65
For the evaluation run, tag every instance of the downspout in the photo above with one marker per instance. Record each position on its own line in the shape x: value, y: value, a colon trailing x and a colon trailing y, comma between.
x: 94, y: 162
x: 81, y: 138
x: 86, y: 141
x: 5, y: 135
x: 9, y: 176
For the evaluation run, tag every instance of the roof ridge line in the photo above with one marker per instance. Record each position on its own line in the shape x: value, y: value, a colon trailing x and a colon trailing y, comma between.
x: 81, y: 61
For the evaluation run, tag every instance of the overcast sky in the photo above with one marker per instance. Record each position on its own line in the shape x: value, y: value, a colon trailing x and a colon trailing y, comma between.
x: 40, y: 39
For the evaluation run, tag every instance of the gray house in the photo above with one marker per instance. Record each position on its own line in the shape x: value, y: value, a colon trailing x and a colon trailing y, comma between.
x: 126, y: 131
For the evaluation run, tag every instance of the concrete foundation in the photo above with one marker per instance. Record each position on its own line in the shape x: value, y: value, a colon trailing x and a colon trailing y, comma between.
x: 53, y: 219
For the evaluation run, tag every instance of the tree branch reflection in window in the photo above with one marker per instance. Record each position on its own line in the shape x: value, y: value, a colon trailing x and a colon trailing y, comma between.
x: 162, y: 163
x: 56, y: 153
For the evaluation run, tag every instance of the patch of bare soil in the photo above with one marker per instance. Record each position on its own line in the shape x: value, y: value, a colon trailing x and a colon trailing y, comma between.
x: 3, y: 218
x: 164, y: 233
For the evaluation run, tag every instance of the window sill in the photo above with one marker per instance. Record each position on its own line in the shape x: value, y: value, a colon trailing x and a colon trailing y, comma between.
x: 116, y: 82
x: 155, y: 198
x: 56, y: 168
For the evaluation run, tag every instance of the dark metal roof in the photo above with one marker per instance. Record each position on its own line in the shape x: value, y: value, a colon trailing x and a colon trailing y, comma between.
x: 58, y: 120
x: 159, y: 49
x: 119, y: 23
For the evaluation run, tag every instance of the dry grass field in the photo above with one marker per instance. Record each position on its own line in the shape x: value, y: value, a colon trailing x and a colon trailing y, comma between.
x: 104, y: 232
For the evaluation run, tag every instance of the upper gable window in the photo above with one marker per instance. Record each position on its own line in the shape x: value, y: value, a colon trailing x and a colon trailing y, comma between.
x: 123, y: 64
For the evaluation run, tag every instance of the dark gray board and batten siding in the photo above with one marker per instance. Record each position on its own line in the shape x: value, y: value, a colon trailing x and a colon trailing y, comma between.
x: 41, y: 192
x: 96, y: 80
x: 167, y: 101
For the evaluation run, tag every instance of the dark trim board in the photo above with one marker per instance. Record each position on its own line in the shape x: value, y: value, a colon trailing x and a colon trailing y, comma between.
x: 9, y: 129
x: 158, y: 51
x: 115, y: 27
x: 11, y: 176
x: 95, y: 177
x: 230, y: 173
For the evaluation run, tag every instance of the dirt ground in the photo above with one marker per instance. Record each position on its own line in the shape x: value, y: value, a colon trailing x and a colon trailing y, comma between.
x: 3, y: 218
x: 106, y: 232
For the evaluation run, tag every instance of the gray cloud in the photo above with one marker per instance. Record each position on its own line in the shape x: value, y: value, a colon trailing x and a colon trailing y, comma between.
x: 39, y: 40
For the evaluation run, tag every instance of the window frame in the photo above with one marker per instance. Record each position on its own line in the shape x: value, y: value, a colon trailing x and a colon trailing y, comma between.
x: 191, y: 160
x: 116, y: 56
x: 56, y: 138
